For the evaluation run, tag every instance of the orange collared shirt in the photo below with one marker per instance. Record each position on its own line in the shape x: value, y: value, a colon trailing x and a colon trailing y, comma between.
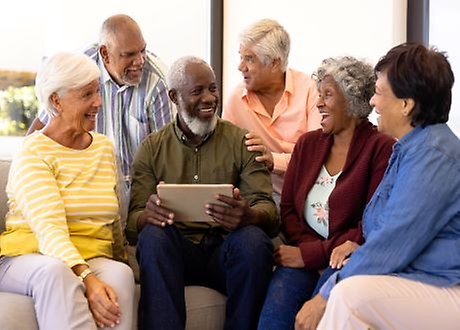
x: 294, y: 114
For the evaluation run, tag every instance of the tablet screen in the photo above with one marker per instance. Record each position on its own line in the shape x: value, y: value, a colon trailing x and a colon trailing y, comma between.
x: 188, y: 201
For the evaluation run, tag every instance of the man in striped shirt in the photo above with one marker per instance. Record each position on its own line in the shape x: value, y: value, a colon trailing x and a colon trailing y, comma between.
x: 135, y: 98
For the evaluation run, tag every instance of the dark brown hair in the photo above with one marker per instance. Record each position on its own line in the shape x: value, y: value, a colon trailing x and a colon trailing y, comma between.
x: 424, y: 75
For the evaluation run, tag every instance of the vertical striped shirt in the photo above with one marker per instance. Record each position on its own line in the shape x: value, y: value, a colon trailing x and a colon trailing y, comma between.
x: 62, y: 202
x: 130, y: 113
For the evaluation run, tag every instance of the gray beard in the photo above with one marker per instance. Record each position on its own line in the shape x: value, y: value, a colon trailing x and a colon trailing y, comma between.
x: 197, y: 126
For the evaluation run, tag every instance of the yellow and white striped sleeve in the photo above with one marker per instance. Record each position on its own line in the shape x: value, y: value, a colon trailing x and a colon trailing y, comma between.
x: 39, y: 199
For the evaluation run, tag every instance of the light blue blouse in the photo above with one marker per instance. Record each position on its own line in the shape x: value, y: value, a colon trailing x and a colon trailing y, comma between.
x: 316, y: 210
x: 412, y: 223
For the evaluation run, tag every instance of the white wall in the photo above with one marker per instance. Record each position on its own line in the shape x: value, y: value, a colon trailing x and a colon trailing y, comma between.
x: 31, y: 29
x: 318, y: 29
x: 444, y: 28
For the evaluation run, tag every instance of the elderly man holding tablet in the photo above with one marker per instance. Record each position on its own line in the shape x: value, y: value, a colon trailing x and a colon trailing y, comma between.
x: 231, y: 251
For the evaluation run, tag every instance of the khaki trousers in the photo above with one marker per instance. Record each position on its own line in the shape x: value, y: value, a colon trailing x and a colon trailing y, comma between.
x: 391, y: 302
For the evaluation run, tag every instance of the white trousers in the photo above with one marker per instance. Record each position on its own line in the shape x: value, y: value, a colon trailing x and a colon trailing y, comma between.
x: 59, y: 296
x: 390, y: 302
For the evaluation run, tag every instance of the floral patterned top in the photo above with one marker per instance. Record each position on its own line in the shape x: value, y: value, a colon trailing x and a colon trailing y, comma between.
x: 316, y: 210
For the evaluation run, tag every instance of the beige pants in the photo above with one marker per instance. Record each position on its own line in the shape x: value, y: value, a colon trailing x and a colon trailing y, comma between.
x: 390, y: 302
x: 58, y: 294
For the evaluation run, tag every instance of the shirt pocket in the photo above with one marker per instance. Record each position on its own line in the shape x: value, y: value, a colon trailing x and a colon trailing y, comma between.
x: 373, y: 217
x: 138, y: 127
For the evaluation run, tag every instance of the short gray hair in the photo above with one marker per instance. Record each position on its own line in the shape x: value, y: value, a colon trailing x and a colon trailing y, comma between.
x: 268, y: 40
x: 355, y: 78
x: 61, y: 73
x: 176, y: 74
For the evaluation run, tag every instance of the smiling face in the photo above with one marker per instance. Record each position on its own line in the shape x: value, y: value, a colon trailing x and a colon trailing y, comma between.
x: 197, y: 100
x: 256, y: 75
x: 78, y: 107
x: 124, y: 56
x: 394, y: 112
x: 332, y: 106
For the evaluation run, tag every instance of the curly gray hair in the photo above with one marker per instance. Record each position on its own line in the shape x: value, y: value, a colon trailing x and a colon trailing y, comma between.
x: 355, y: 78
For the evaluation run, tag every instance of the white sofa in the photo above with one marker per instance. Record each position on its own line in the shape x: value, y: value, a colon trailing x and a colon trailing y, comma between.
x: 205, y: 307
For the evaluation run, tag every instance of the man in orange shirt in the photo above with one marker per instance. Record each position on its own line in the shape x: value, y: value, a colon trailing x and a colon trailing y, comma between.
x: 275, y: 103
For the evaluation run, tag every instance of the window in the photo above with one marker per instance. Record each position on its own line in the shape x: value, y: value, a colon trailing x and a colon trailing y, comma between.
x: 443, y: 22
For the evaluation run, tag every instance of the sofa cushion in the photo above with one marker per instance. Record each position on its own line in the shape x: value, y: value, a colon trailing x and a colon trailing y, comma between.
x: 4, y: 169
x: 205, y: 308
x: 17, y: 312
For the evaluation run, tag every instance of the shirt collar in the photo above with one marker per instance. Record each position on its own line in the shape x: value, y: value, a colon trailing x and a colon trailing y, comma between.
x: 410, y: 137
x: 289, y: 82
x: 184, y: 139
x: 105, y: 76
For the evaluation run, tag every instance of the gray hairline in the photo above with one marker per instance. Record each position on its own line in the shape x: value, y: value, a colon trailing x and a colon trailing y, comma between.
x: 175, y: 77
x: 357, y: 89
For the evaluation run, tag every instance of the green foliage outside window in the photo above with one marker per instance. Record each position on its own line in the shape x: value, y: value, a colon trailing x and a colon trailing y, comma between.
x: 18, y: 108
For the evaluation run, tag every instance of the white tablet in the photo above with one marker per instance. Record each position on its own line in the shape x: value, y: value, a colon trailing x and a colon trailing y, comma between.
x: 188, y: 201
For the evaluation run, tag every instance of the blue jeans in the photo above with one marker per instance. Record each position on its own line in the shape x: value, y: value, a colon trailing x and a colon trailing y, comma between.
x: 239, y: 266
x: 289, y: 289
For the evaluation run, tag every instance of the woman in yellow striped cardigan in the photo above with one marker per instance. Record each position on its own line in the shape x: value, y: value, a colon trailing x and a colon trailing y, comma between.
x: 63, y: 229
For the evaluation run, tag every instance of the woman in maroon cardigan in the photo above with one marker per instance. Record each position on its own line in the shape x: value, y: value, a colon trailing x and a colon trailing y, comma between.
x: 332, y: 174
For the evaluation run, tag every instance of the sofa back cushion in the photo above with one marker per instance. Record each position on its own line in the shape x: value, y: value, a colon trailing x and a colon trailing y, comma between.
x: 4, y: 168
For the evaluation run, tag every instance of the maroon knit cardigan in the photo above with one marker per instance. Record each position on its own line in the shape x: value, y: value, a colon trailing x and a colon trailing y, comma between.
x: 364, y: 167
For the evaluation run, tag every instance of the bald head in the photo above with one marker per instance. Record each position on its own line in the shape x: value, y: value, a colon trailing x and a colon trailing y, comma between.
x: 118, y: 25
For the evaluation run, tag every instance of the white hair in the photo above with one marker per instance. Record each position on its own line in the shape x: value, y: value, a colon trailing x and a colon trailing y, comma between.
x: 268, y: 40
x: 176, y: 74
x: 61, y: 73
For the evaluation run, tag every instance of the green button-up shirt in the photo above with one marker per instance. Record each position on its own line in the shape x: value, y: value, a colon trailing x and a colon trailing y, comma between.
x: 222, y: 158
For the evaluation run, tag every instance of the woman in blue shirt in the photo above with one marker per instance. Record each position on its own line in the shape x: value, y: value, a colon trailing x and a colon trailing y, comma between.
x: 407, y: 273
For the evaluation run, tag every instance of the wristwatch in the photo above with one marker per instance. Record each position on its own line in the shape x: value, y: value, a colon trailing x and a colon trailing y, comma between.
x: 84, y: 274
